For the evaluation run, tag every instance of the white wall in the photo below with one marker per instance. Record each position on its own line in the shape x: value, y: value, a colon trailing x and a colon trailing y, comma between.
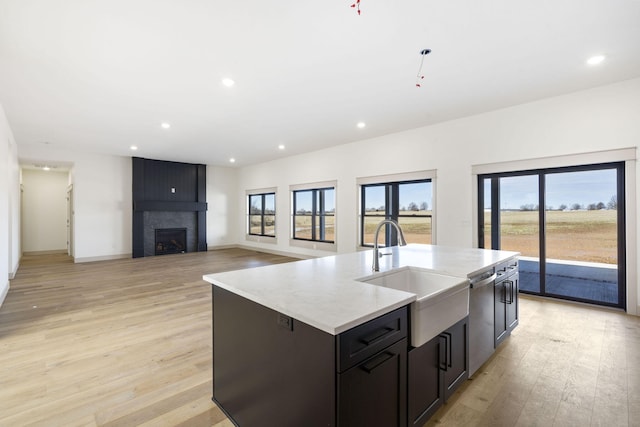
x: 9, y: 235
x: 222, y: 217
x: 102, y: 200
x: 44, y: 210
x: 599, y: 119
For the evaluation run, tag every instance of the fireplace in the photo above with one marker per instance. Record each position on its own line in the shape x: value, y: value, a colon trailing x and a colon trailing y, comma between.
x: 171, y: 241
x: 168, y: 197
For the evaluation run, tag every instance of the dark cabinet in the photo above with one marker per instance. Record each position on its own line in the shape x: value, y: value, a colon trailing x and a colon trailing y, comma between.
x: 436, y: 369
x: 269, y: 369
x: 372, y: 372
x: 455, y: 366
x: 426, y: 390
x: 506, y: 300
x: 272, y: 370
x: 373, y: 393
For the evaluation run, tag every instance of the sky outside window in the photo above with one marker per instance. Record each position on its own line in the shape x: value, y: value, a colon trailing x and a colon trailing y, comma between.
x: 418, y: 193
x: 564, y: 188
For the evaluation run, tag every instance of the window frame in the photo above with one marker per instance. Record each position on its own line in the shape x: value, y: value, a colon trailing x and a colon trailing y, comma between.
x: 259, y: 237
x: 318, y: 215
x: 392, y: 208
x: 541, y: 174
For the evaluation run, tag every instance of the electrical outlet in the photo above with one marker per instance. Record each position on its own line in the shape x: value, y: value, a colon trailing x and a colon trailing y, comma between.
x: 285, y: 322
x: 173, y: 189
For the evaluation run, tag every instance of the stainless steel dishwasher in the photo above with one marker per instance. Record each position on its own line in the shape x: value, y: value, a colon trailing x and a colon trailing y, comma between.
x: 481, y: 318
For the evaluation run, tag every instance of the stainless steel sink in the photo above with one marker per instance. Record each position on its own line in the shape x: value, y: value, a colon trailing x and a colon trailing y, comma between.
x: 442, y: 300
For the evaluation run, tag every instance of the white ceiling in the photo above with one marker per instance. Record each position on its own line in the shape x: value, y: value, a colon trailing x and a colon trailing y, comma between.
x: 100, y: 76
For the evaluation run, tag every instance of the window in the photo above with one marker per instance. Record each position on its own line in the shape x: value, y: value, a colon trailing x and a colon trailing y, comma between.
x: 262, y: 214
x: 314, y: 215
x: 407, y: 202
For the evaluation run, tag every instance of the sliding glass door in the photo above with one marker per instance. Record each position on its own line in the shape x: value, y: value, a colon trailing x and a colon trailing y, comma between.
x: 512, y: 221
x: 568, y: 225
x: 582, y: 235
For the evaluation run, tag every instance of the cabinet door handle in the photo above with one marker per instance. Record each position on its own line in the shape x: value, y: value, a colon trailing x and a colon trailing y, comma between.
x: 510, y: 300
x: 442, y: 347
x: 377, y: 335
x: 503, y: 292
x: 378, y: 360
x: 449, y: 341
x: 510, y: 291
x: 512, y: 288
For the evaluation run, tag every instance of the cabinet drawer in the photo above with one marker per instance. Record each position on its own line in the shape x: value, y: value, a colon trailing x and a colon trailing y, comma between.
x: 361, y: 342
x: 506, y: 268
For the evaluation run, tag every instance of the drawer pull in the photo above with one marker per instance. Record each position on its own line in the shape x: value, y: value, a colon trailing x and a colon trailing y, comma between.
x: 378, y: 360
x: 442, y: 352
x: 377, y: 335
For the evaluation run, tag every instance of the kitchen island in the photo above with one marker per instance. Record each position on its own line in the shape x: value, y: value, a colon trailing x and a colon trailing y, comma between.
x: 311, y: 343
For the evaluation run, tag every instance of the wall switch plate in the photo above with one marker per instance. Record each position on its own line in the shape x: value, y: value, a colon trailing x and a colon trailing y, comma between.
x: 173, y: 189
x: 285, y: 322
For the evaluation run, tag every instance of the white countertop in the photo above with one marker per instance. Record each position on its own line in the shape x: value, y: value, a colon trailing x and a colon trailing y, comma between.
x: 325, y: 294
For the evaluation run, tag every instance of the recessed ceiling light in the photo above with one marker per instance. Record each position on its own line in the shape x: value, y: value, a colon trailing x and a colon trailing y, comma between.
x: 133, y: 147
x: 361, y: 125
x: 228, y: 82
x: 46, y: 168
x: 232, y: 160
x: 281, y: 147
x: 165, y: 125
x: 595, y: 60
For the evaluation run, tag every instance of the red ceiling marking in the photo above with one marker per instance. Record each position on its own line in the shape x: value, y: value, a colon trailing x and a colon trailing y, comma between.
x: 357, y: 6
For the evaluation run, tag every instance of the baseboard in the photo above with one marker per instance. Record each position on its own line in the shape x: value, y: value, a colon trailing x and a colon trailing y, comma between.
x: 12, y: 274
x: 4, y: 290
x: 101, y: 258
x: 52, y: 252
x: 218, y: 247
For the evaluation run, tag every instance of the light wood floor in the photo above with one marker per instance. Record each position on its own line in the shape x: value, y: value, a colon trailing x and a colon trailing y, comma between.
x: 128, y: 343
x: 564, y: 365
x: 116, y: 343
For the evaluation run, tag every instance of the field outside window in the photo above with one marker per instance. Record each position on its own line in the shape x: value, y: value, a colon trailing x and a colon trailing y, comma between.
x: 314, y: 215
x: 409, y: 203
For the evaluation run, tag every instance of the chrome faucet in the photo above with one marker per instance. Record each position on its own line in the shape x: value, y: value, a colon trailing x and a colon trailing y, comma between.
x: 376, y: 252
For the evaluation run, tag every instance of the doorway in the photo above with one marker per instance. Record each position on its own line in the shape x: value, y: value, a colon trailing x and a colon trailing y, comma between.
x: 44, y: 210
x: 568, y: 224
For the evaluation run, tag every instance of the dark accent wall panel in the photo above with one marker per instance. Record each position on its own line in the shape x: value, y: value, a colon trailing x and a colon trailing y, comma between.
x: 170, y: 181
x: 170, y: 187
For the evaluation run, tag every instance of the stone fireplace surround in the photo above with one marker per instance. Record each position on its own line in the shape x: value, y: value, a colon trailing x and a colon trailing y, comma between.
x: 164, y: 220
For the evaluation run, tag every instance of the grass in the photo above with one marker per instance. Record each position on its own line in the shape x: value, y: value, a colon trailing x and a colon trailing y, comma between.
x: 589, y: 236
x: 416, y: 229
